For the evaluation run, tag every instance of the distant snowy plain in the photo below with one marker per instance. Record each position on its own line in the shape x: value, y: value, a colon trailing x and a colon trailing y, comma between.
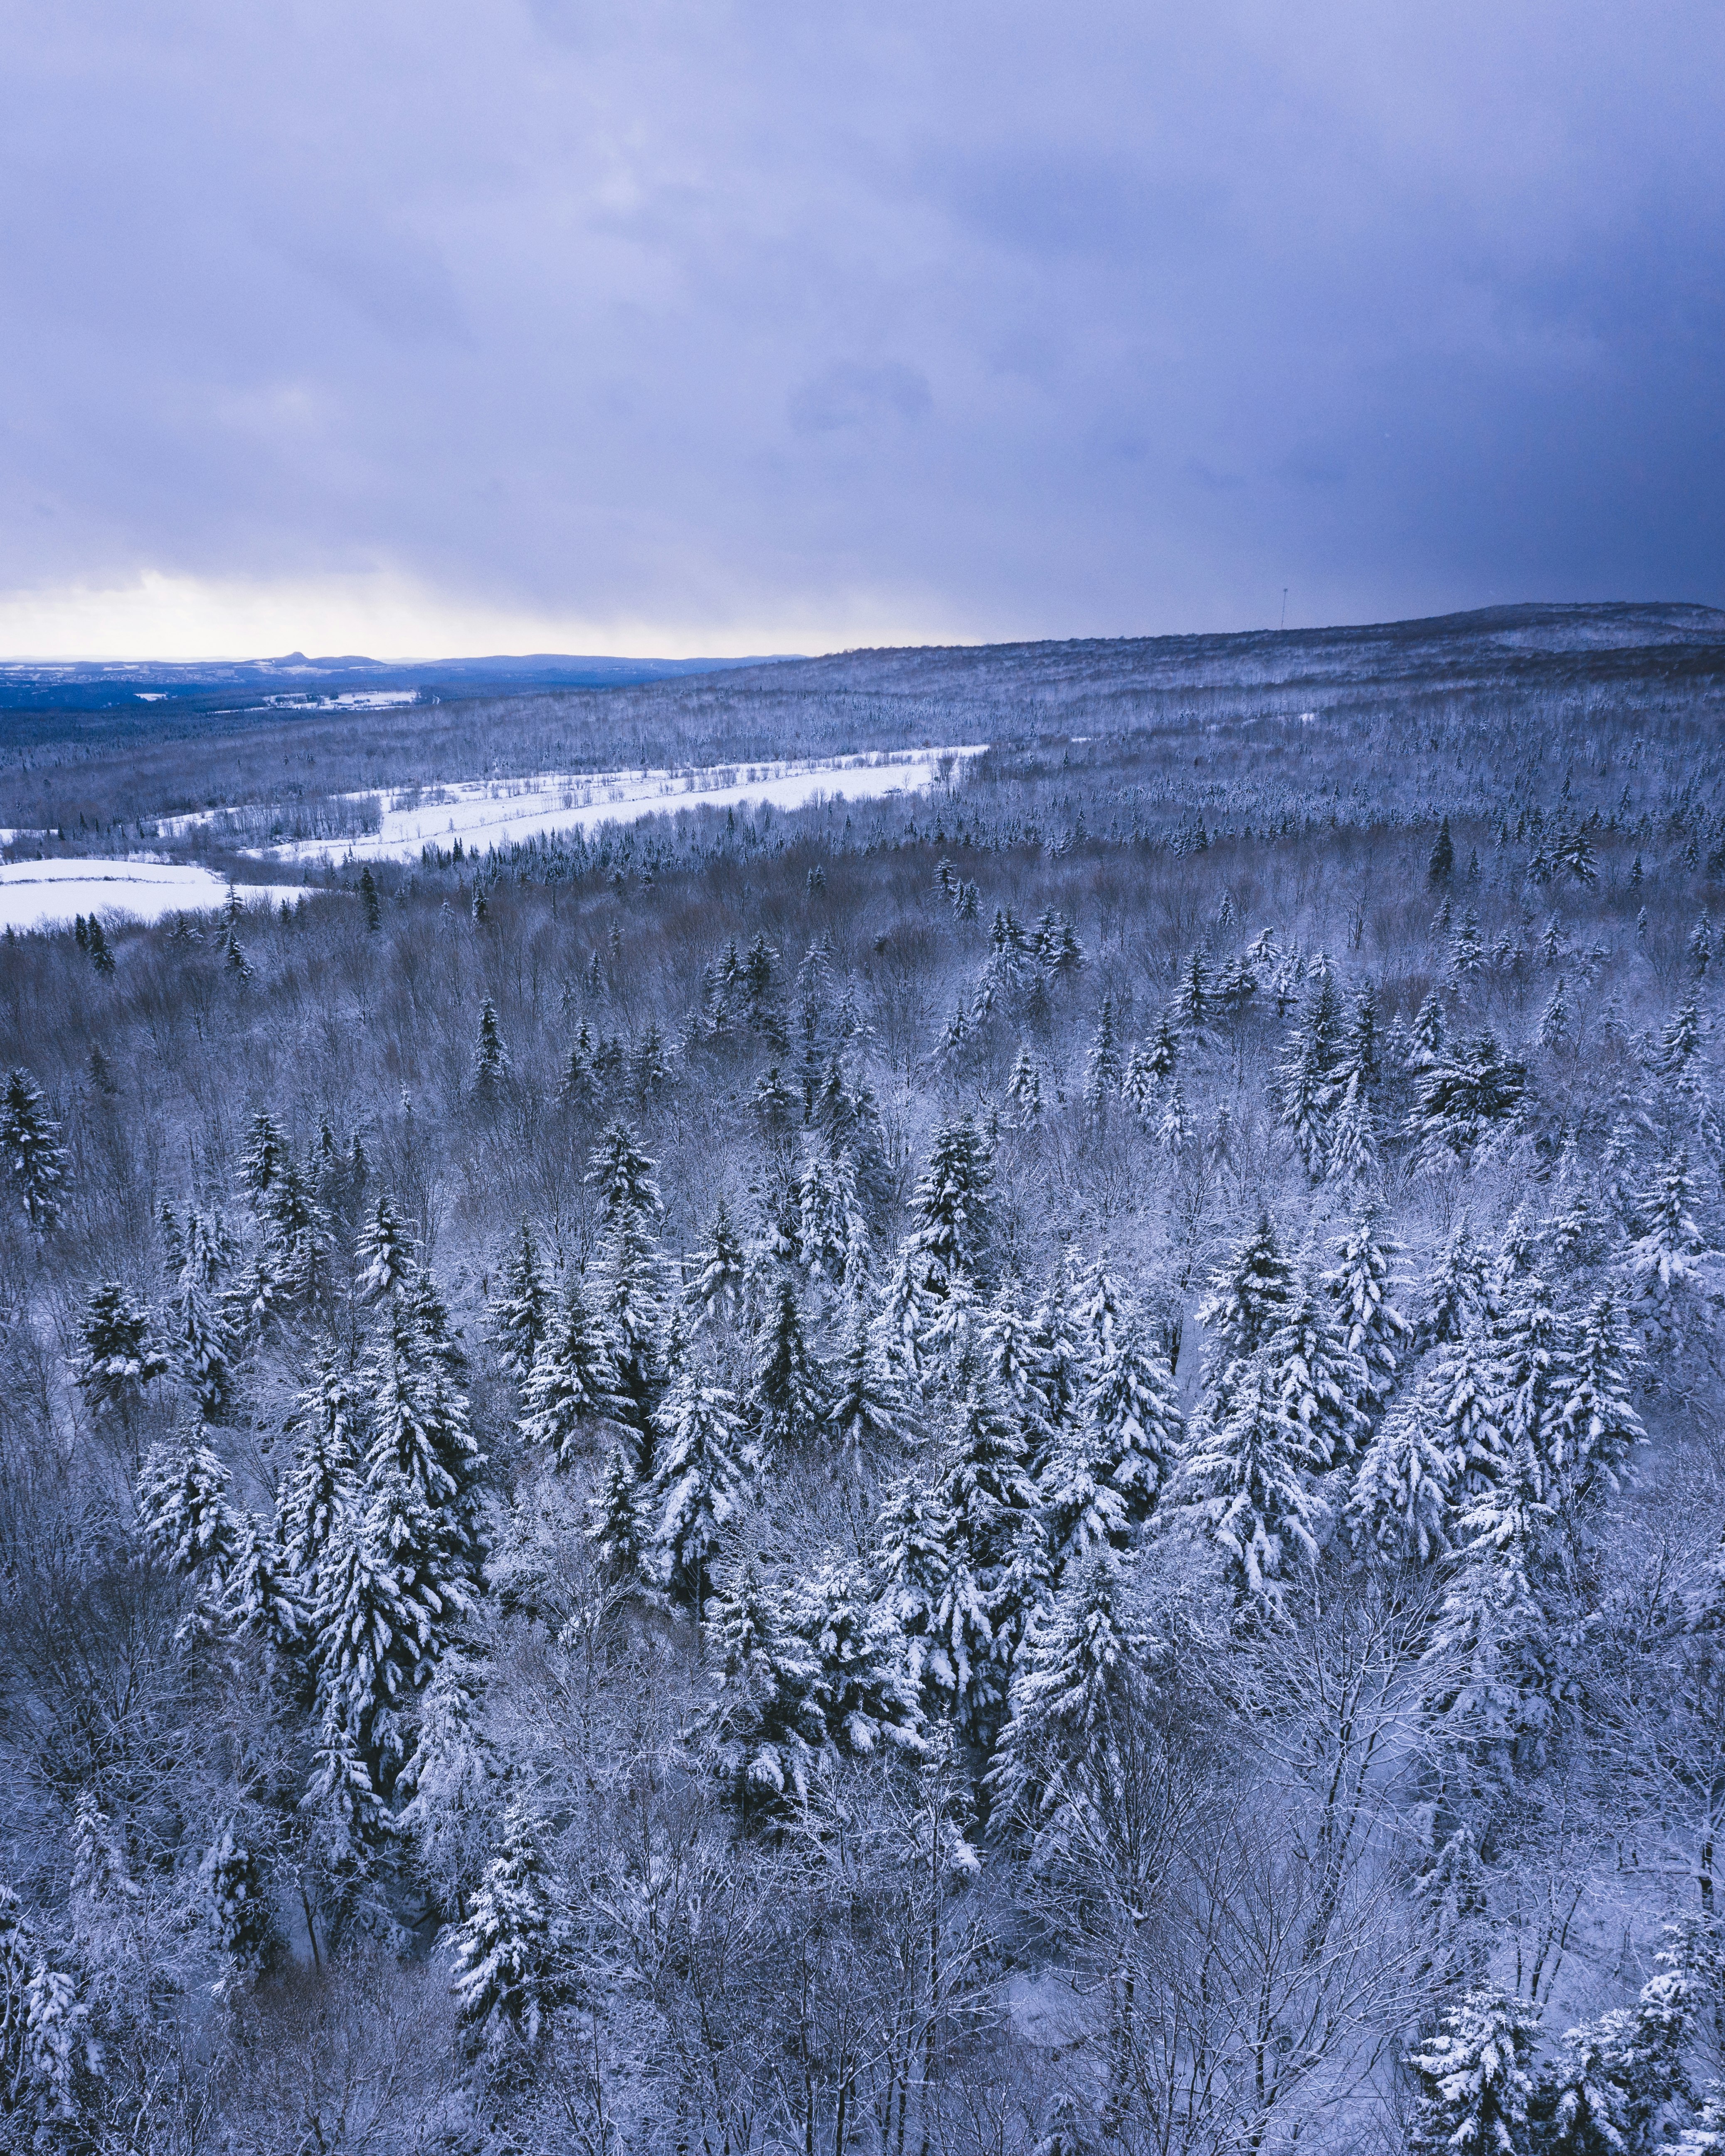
x: 500, y: 811
x: 480, y: 813
x: 49, y: 894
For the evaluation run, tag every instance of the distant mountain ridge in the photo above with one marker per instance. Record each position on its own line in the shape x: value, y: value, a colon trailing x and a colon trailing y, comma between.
x: 98, y: 684
x: 1589, y: 638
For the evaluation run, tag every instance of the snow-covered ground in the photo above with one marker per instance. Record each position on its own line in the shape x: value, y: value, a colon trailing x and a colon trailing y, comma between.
x: 48, y: 893
x: 500, y: 811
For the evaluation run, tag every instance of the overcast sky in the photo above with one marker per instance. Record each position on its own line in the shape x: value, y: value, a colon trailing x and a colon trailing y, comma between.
x: 637, y: 326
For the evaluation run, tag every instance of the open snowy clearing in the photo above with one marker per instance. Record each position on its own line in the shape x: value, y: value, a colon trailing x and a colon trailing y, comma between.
x: 483, y: 812
x: 48, y: 893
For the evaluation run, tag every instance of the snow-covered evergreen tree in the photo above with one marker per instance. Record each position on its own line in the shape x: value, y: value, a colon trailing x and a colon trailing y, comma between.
x: 1244, y: 1480
x: 201, y: 1335
x: 768, y: 1731
x: 490, y: 1057
x: 1598, y: 1427
x: 266, y: 1147
x: 1108, y: 1469
x: 1494, y: 1673
x: 1139, y: 1084
x: 520, y: 1312
x: 183, y: 1505
x: 1175, y: 1128
x: 1461, y: 1402
x: 419, y: 1417
x: 629, y: 1287
x: 31, y: 1149
x: 1308, y: 1096
x: 1359, y: 1285
x: 390, y: 1592
x: 948, y: 1241
x: 1459, y: 1294
x: 261, y: 1594
x: 570, y: 1392
x: 1669, y: 1255
x: 1358, y: 1048
x: 617, y: 1526
x: 833, y: 1239
x: 1525, y: 1337
x: 298, y: 1239
x: 1010, y: 1360
x: 982, y: 1486
x: 717, y: 1272
x: 866, y: 1411
x: 1680, y: 1041
x: 1322, y: 1382
x: 330, y: 1438
x: 1352, y: 1158
x: 1083, y: 1661
x: 1060, y: 1374
x: 625, y: 1179
x: 699, y: 1484
x: 1465, y: 1093
x: 449, y: 1783
x: 787, y: 1399
x: 1250, y: 1294
x: 512, y: 1963
x: 1023, y: 1089
x: 1556, y: 1030
x: 1475, y: 2078
x: 240, y: 1911
x: 1430, y: 1031
x: 385, y: 1250
x: 122, y: 1353
x: 1400, y: 1506
x: 1103, y: 1069
x: 46, y: 2043
x: 860, y: 1687
x: 914, y: 1556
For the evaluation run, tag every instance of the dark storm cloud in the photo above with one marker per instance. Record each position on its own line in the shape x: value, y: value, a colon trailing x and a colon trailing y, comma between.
x: 990, y: 319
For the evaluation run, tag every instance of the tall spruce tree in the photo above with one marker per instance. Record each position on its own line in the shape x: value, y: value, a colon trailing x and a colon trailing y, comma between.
x: 1250, y: 1294
x: 866, y: 1412
x: 698, y: 1488
x: 571, y: 1393
x: 183, y: 1508
x: 1494, y: 1659
x: 201, y: 1336
x: 520, y: 1312
x: 1103, y: 1069
x: 1374, y: 1332
x: 1400, y: 1508
x: 385, y: 1250
x: 1475, y: 2082
x: 983, y: 1490
x: 946, y: 1247
x: 1244, y: 1481
x: 330, y: 1438
x: 1320, y: 1379
x: 511, y: 1951
x: 1598, y: 1426
x: 787, y: 1397
x: 1104, y: 1476
x: 31, y: 1149
x: 1081, y: 1667
x: 122, y: 1353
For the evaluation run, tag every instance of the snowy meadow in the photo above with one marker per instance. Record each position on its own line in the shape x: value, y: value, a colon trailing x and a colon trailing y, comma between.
x: 1016, y: 1453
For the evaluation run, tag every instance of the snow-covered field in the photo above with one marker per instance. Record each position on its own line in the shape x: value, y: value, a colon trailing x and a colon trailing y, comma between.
x: 46, y: 894
x: 484, y: 813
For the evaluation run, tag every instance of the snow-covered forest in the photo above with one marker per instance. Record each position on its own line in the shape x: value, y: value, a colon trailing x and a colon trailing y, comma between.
x: 1033, y: 1472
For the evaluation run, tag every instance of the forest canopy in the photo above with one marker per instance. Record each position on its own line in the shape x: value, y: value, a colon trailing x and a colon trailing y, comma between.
x: 1033, y: 1468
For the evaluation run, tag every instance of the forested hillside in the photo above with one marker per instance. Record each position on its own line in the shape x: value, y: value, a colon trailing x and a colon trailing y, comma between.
x: 1037, y: 1469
